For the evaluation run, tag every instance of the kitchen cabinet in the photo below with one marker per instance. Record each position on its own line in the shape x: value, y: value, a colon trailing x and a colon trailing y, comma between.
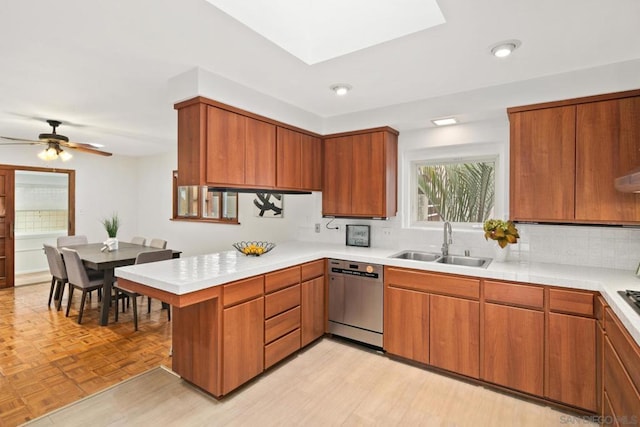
x: 281, y: 314
x: 433, y: 319
x: 223, y: 146
x: 406, y: 324
x: 360, y: 174
x: 621, y: 372
x: 568, y: 154
x: 240, y: 150
x: 299, y: 160
x: 571, y: 341
x: 454, y: 335
x: 243, y: 332
x: 513, y: 337
x: 312, y: 302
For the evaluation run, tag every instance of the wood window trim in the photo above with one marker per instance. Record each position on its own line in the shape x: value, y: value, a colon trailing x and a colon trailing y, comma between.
x: 198, y: 218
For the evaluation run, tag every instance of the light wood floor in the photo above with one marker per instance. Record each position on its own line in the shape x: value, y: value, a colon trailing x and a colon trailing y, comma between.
x: 329, y: 384
x: 47, y: 360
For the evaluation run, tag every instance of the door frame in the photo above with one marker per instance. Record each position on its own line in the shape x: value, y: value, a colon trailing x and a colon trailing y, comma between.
x: 10, y: 214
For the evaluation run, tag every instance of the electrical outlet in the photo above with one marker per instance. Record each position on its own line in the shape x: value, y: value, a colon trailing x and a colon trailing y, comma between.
x: 317, y: 227
x: 386, y: 231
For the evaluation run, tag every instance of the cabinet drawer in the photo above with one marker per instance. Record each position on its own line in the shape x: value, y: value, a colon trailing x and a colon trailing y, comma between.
x: 242, y: 290
x: 511, y: 293
x: 598, y: 309
x: 281, y: 348
x: 574, y: 302
x: 281, y: 324
x: 434, y: 283
x: 311, y: 270
x: 281, y: 301
x: 623, y: 397
x: 628, y: 351
x: 281, y: 279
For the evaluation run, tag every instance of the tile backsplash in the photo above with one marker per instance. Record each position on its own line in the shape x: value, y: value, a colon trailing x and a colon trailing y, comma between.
x: 30, y: 221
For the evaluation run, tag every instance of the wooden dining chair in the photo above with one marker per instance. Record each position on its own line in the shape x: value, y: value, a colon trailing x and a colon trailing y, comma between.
x: 78, y: 279
x: 142, y: 258
x: 72, y: 240
x: 58, y: 273
x: 158, y: 243
x: 139, y: 241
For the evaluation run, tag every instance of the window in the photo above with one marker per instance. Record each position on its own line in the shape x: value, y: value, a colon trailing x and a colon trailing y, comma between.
x: 456, y: 191
x: 195, y: 203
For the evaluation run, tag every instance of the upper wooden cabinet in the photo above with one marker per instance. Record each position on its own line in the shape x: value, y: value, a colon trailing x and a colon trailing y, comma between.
x: 565, y: 156
x: 223, y: 146
x: 299, y: 160
x: 360, y: 174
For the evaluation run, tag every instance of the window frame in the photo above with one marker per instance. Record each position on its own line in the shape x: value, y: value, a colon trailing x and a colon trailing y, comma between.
x: 473, y: 152
x: 200, y: 217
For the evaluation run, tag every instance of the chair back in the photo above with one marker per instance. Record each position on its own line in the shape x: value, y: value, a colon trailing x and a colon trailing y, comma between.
x: 163, y: 255
x: 75, y: 269
x: 139, y: 241
x: 72, y: 240
x: 158, y: 244
x: 56, y: 265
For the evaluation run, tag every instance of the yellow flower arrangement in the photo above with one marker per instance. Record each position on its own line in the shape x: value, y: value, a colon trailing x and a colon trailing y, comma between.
x: 504, y: 232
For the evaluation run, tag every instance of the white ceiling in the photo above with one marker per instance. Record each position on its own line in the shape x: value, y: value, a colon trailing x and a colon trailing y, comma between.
x: 104, y: 67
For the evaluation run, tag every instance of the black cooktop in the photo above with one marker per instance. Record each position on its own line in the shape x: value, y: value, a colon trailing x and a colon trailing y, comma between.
x: 633, y: 298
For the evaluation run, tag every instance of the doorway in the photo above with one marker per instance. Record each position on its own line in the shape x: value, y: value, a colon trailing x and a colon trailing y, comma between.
x: 36, y: 206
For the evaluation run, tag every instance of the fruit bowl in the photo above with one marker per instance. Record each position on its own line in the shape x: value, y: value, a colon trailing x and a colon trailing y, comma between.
x: 254, y: 248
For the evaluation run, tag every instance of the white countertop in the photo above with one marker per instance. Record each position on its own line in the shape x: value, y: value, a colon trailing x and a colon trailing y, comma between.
x: 183, y: 275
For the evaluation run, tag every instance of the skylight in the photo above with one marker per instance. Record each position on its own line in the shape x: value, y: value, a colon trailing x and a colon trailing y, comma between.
x: 319, y: 30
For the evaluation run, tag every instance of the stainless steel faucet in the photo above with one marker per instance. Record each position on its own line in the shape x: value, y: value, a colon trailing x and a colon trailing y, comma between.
x: 448, y: 239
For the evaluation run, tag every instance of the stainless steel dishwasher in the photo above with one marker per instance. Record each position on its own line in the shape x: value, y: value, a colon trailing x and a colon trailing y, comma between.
x: 355, y: 301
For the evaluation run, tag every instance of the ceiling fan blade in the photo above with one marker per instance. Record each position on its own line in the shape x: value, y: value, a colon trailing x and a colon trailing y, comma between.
x: 30, y: 141
x: 86, y: 148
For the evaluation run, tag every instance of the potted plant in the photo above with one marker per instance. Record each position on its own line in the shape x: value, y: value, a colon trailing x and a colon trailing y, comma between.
x: 111, y: 225
x: 503, y: 232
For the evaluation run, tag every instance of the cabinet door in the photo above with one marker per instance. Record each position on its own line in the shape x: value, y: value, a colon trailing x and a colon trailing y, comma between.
x: 243, y: 343
x: 406, y: 328
x: 225, y: 147
x: 289, y: 156
x: 260, y: 153
x: 513, y: 354
x: 454, y: 335
x: 312, y: 304
x: 311, y: 163
x: 607, y: 147
x: 543, y: 164
x: 336, y: 192
x: 368, y: 175
x: 572, y: 360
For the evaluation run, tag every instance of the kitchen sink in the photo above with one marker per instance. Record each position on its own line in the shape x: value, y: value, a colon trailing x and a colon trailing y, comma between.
x: 467, y: 261
x: 417, y: 256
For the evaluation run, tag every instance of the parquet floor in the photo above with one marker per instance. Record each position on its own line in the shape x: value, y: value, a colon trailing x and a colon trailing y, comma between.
x: 47, y: 360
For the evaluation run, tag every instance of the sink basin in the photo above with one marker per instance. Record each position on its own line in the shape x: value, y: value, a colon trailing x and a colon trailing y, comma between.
x: 467, y: 261
x: 417, y: 256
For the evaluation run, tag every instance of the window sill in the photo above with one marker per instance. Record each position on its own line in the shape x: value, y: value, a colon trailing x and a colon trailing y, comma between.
x: 210, y: 221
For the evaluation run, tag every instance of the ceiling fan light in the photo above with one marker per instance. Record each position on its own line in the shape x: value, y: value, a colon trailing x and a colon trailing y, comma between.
x: 64, y: 155
x: 48, y: 154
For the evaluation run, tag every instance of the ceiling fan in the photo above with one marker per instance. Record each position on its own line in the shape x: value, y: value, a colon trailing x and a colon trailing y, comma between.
x: 54, y: 143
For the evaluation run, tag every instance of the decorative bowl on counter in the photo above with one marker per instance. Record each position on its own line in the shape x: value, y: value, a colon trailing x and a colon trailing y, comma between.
x: 254, y: 248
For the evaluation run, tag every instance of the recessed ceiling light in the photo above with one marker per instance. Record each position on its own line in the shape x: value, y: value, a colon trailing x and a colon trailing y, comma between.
x: 341, y: 89
x: 505, y: 48
x: 445, y: 121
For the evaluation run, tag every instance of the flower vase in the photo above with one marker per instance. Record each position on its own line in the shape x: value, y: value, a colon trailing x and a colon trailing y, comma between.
x: 500, y: 254
x: 112, y: 243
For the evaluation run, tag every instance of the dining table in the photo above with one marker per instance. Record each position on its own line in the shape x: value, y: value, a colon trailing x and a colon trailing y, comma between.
x: 95, y: 256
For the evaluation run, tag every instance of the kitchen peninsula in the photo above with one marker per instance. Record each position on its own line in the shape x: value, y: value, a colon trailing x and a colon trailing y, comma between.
x: 227, y: 301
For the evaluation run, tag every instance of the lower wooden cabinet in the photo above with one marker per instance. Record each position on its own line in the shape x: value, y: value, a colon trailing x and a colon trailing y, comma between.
x: 513, y: 353
x: 454, y: 335
x: 312, y: 305
x: 243, y: 343
x: 406, y: 324
x: 572, y: 360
